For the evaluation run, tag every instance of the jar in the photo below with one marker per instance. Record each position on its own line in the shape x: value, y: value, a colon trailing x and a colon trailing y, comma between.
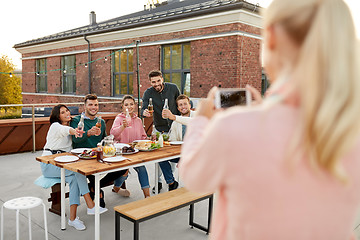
x: 109, y: 149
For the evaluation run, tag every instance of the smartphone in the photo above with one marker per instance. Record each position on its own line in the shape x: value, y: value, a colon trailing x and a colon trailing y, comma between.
x: 229, y: 97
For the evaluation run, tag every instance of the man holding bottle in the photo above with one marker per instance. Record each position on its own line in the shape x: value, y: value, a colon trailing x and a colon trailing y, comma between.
x: 94, y: 131
x: 158, y: 92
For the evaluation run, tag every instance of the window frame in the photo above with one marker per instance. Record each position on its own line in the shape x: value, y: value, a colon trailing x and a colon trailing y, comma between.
x: 41, y: 74
x: 118, y: 73
x: 183, y: 71
x: 68, y: 73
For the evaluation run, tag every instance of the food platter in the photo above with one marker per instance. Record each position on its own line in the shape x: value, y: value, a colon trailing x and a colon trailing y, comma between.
x: 88, y: 154
x: 128, y: 153
x: 145, y: 150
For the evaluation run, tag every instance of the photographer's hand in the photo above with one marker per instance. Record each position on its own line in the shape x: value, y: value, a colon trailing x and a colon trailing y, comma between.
x: 206, y: 106
x: 255, y: 94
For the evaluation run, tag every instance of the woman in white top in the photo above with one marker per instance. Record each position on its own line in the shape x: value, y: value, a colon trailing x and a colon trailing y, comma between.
x: 58, y: 139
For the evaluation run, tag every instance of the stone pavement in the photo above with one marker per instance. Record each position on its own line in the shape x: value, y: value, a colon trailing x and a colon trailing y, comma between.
x: 18, y: 173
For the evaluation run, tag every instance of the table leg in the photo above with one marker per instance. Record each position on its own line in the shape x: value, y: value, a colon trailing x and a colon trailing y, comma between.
x: 97, y: 206
x: 63, y: 220
x: 156, y: 178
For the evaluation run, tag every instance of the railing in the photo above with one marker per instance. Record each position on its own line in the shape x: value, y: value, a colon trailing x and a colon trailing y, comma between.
x: 46, y: 104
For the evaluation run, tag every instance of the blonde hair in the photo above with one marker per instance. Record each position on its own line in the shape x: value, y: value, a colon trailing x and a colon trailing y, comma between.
x: 326, y: 75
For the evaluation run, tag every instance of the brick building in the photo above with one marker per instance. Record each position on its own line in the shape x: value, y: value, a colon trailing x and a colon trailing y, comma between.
x: 197, y: 44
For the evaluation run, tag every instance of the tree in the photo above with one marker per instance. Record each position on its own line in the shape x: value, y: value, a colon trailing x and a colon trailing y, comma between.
x: 10, y: 85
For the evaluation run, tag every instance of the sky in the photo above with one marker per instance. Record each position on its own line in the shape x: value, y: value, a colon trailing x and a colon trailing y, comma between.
x: 23, y: 20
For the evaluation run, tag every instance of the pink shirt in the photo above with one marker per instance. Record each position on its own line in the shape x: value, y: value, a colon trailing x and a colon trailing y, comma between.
x: 261, y: 195
x: 129, y: 134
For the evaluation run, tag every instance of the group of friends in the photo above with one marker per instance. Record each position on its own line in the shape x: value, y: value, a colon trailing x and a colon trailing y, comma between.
x: 286, y: 168
x: 64, y: 135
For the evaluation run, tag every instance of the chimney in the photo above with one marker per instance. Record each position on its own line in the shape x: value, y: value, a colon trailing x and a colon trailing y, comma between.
x: 92, y: 16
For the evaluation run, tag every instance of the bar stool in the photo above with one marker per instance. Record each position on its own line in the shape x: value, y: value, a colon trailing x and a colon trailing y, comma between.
x: 21, y: 204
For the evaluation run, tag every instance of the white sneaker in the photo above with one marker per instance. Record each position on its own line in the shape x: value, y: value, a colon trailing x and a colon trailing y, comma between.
x: 77, y: 224
x: 79, y: 219
x: 91, y: 211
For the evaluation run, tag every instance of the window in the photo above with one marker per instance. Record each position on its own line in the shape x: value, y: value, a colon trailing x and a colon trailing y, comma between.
x: 41, y: 76
x: 68, y: 65
x: 176, y: 66
x: 123, y: 72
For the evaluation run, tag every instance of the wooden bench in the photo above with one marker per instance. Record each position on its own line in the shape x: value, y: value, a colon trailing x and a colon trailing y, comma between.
x: 160, y: 204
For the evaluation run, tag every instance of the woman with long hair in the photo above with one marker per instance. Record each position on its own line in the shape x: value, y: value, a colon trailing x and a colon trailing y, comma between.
x: 289, y: 167
x: 58, y: 140
x: 127, y: 132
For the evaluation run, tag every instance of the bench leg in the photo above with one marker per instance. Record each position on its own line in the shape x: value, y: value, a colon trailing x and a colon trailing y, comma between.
x: 117, y: 226
x: 191, y: 217
x: 136, y: 230
x: 196, y: 225
x: 211, y: 201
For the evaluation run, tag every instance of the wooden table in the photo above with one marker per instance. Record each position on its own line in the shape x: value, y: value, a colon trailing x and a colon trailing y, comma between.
x: 99, y: 170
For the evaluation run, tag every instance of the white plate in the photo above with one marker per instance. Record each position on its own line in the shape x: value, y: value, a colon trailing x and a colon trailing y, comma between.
x: 79, y: 150
x: 128, y: 153
x: 114, y: 159
x: 120, y: 145
x: 136, y: 141
x: 176, y: 142
x: 65, y: 159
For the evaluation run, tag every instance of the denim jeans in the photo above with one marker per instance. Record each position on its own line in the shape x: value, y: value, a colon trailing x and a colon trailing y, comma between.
x: 167, y: 171
x: 77, y: 182
x: 173, y: 168
x: 142, y: 176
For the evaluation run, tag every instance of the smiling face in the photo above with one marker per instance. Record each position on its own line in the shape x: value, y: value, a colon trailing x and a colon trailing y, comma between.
x: 129, y: 104
x: 183, y: 106
x: 157, y: 83
x: 64, y: 116
x: 91, y: 108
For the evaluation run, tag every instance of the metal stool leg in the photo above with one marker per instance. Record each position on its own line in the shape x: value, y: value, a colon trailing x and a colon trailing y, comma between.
x: 2, y: 222
x: 29, y: 216
x: 45, y: 221
x: 17, y: 224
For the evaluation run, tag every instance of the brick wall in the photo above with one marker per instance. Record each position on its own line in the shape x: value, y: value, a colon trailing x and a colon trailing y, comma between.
x: 231, y: 61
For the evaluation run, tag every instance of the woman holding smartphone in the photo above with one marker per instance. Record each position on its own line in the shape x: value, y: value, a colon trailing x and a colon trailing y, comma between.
x: 289, y: 167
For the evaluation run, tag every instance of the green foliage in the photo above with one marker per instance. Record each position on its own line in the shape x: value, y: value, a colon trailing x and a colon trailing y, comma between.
x: 10, y: 89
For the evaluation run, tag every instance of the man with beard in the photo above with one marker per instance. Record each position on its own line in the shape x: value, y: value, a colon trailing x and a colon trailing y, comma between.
x: 177, y: 132
x: 91, y: 137
x: 158, y: 92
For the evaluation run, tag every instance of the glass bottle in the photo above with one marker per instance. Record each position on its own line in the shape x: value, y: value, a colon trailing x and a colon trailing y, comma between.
x: 150, y: 107
x: 99, y: 153
x: 81, y: 124
x: 128, y: 118
x: 166, y: 104
x: 98, y: 124
x: 153, y: 133
x: 161, y: 140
